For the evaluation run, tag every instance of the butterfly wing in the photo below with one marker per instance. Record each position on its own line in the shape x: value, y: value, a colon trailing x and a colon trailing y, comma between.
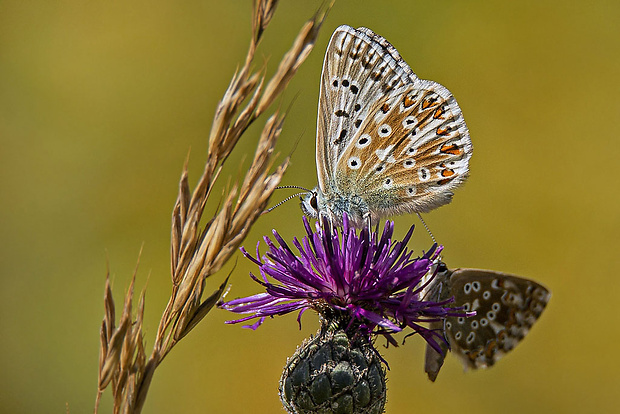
x: 433, y: 360
x: 439, y: 290
x: 348, y: 88
x: 410, y: 153
x: 506, y: 308
x: 398, y: 142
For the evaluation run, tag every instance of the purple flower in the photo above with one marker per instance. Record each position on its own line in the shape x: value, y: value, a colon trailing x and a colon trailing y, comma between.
x: 369, y: 280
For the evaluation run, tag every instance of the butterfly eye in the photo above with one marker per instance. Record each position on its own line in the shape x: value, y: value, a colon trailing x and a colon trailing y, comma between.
x: 442, y: 267
x: 313, y: 203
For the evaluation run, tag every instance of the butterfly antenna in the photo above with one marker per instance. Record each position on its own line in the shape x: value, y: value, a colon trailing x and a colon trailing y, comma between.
x: 293, y: 186
x: 427, y: 229
x: 281, y: 202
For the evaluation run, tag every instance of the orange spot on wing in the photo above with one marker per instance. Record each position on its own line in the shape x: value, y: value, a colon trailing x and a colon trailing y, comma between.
x: 407, y: 102
x: 451, y: 149
x: 438, y: 113
x: 384, y: 108
x: 429, y: 102
x: 490, y: 349
x: 446, y: 172
x: 512, y: 319
x: 442, y: 131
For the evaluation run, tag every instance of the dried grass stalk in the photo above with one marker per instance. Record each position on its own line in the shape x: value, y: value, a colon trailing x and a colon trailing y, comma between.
x: 198, y: 252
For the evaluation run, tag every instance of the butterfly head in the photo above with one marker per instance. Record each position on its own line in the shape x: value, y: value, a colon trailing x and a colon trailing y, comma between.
x: 310, y: 204
x: 334, y: 205
x: 438, y: 288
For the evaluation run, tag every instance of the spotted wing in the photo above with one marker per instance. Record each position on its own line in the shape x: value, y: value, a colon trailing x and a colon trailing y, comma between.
x: 358, y: 68
x: 506, y: 308
x: 409, y: 154
x: 400, y: 142
x: 438, y: 290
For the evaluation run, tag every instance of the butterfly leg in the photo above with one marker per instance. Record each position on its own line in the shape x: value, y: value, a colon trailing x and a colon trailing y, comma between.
x: 367, y: 221
x: 325, y: 219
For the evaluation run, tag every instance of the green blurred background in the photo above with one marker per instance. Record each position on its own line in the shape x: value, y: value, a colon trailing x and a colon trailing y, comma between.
x: 101, y: 101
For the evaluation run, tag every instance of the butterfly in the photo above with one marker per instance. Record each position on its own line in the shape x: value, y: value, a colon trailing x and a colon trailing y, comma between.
x: 506, y: 307
x: 387, y: 142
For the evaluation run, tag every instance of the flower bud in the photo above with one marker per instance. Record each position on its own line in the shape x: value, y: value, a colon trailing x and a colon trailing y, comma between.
x: 337, y: 371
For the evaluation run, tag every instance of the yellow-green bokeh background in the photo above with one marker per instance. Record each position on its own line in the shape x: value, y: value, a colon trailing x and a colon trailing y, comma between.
x: 101, y: 101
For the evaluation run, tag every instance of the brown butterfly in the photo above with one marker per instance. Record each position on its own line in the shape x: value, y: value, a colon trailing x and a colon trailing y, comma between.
x: 506, y: 307
x: 387, y: 142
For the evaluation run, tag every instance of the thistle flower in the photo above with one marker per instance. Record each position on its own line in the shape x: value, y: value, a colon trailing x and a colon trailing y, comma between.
x: 362, y: 285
